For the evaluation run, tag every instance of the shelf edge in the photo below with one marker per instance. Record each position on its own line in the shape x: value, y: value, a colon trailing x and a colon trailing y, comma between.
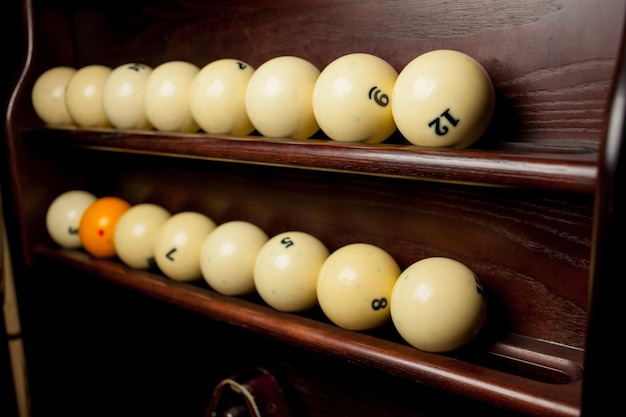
x: 573, y: 172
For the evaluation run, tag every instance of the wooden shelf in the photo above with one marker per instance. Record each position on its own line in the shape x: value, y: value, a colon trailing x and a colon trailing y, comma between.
x: 565, y: 169
x: 520, y: 207
x: 516, y: 373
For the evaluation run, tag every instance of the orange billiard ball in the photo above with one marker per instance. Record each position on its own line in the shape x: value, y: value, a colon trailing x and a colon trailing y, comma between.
x: 97, y: 225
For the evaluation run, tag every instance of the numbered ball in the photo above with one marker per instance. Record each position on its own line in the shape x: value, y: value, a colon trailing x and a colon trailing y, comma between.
x: 83, y: 96
x: 354, y: 286
x: 97, y: 225
x: 352, y: 99
x: 228, y: 256
x: 123, y: 96
x: 443, y: 98
x: 48, y: 96
x: 286, y: 271
x: 166, y: 98
x: 279, y: 98
x: 218, y: 97
x: 179, y: 243
x: 438, y: 305
x: 136, y: 233
x: 63, y: 217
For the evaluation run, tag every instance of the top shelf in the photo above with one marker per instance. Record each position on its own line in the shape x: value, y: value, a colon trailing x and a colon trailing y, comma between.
x: 526, y: 166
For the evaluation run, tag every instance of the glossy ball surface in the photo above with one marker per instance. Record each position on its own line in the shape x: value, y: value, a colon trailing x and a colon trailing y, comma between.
x: 123, y: 96
x: 438, y: 305
x: 286, y: 271
x: 166, y: 99
x: 279, y: 98
x: 63, y: 217
x: 48, y: 96
x: 136, y: 233
x: 352, y: 99
x: 179, y: 243
x: 218, y: 97
x: 97, y: 225
x: 354, y: 286
x: 83, y: 96
x: 443, y: 98
x: 228, y: 256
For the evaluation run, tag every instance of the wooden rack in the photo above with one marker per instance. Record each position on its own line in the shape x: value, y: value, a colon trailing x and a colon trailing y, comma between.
x: 526, y: 208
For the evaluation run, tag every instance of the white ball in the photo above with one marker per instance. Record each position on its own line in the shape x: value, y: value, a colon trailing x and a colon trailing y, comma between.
x: 64, y: 215
x: 48, y: 96
x: 352, y: 99
x: 443, y: 98
x: 228, y: 255
x: 179, y: 243
x: 166, y: 99
x: 438, y: 304
x: 286, y: 271
x: 83, y: 96
x: 354, y: 286
x: 217, y: 98
x: 123, y: 96
x: 279, y: 98
x: 136, y: 233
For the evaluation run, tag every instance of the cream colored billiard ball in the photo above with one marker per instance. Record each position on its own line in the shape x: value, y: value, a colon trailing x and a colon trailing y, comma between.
x: 443, y: 98
x: 352, y: 99
x: 354, y: 286
x: 136, y: 232
x: 63, y: 217
x: 279, y: 98
x: 179, y: 243
x: 166, y: 99
x: 48, y: 96
x: 286, y: 271
x: 83, y: 96
x: 217, y: 98
x: 228, y: 255
x: 438, y: 305
x: 123, y: 96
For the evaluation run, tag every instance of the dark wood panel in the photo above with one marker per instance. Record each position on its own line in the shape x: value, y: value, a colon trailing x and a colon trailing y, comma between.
x: 551, y: 62
x: 529, y: 238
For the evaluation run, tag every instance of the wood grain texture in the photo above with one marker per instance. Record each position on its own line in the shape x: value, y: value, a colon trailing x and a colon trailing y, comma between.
x: 517, y: 207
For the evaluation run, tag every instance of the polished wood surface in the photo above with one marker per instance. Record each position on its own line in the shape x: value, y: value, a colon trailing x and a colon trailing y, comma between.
x: 517, y: 207
x: 607, y: 249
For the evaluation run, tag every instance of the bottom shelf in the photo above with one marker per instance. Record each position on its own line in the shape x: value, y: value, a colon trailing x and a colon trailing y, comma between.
x: 514, y: 372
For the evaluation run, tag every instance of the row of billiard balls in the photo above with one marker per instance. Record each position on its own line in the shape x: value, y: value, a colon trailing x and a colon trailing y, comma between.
x: 437, y: 304
x: 442, y: 98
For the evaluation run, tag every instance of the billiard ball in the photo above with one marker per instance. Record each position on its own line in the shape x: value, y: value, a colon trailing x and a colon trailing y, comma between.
x: 97, y: 225
x: 217, y: 98
x: 179, y: 243
x: 122, y: 96
x: 438, y: 305
x: 166, y: 97
x: 354, y: 286
x: 63, y: 217
x: 443, y: 98
x: 83, y: 96
x: 286, y: 271
x: 136, y: 233
x: 352, y: 99
x: 48, y: 96
x: 279, y: 98
x: 228, y: 255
